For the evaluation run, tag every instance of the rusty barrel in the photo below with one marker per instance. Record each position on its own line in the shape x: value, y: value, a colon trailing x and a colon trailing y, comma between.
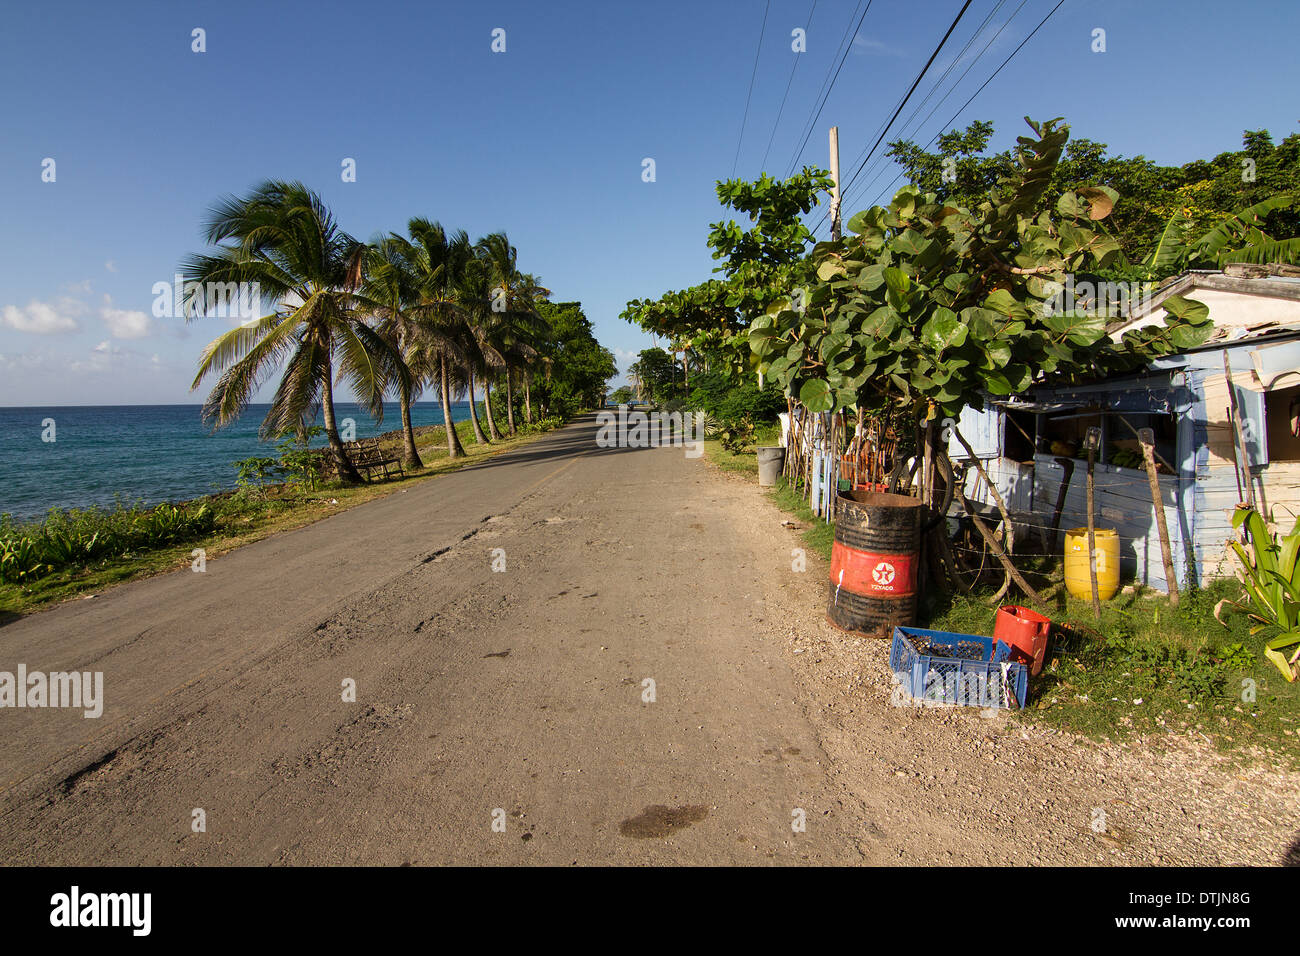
x: 874, y: 562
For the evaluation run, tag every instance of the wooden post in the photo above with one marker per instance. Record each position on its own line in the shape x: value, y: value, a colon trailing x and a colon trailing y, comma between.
x: 1148, y: 439
x: 1001, y: 555
x: 927, y: 463
x: 1068, y: 465
x: 835, y: 177
x: 1094, y: 435
x: 997, y: 497
x: 1239, y: 440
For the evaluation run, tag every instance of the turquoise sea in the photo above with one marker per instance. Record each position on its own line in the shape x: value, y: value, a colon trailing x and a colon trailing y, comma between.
x: 142, y: 452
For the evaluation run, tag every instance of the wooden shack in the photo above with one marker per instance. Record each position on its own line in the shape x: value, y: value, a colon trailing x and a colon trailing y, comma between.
x: 1031, y: 444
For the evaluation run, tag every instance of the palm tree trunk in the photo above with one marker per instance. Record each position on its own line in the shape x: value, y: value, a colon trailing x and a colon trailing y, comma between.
x: 410, y: 456
x: 528, y: 398
x: 454, y: 447
x: 479, y: 437
x: 510, y: 403
x: 491, y: 415
x: 348, y: 473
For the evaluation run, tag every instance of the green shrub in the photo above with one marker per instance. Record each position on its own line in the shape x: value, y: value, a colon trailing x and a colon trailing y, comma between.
x: 728, y: 399
x: 737, y: 435
x: 78, y: 538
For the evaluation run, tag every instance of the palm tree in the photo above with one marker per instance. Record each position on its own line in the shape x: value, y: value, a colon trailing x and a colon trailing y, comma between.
x: 284, y: 239
x: 440, y: 260
x: 514, y: 325
x: 390, y: 293
x: 530, y: 332
x: 472, y: 294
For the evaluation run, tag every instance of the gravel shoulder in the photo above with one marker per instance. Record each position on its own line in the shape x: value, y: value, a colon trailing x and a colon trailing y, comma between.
x: 952, y: 786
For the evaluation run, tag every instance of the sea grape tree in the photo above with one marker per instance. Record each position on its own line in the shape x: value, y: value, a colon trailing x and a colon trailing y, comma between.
x: 934, y: 305
x: 761, y: 260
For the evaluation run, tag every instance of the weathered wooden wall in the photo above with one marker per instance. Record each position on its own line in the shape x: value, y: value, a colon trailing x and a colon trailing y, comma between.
x: 1122, y: 501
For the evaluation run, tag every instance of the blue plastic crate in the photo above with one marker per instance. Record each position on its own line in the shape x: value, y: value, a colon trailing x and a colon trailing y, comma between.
x: 942, y: 667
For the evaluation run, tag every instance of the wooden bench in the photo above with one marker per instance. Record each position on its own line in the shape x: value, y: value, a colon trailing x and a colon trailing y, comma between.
x: 368, y: 456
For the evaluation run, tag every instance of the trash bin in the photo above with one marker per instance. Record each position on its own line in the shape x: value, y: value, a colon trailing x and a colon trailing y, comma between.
x: 873, y: 563
x: 770, y: 460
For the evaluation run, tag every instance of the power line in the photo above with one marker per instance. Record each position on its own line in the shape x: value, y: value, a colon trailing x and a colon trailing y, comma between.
x: 883, y: 161
x: 915, y: 83
x: 957, y: 59
x: 813, y: 124
x: 968, y: 102
x: 826, y: 79
x: 935, y: 86
x: 750, y: 94
x: 902, y: 103
x: 789, y: 83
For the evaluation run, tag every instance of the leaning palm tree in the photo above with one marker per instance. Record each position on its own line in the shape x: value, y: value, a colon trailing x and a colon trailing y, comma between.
x: 477, y: 355
x: 283, y: 239
x: 531, y: 331
x: 440, y: 260
x: 390, y: 294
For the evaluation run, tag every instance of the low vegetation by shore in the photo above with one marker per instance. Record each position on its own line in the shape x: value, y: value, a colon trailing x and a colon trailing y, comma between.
x: 75, y: 552
x: 1146, y: 668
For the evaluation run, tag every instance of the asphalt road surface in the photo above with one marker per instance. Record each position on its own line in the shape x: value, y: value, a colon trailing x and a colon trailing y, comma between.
x: 612, y: 696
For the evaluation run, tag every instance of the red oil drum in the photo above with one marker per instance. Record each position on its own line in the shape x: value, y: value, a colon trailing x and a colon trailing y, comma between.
x: 1025, y: 632
x: 874, y: 562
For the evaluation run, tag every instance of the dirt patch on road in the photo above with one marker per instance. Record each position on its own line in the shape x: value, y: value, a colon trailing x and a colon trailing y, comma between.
x: 659, y: 821
x: 953, y: 786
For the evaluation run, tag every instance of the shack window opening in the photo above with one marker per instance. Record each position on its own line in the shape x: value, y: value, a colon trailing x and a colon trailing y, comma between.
x: 1282, y: 417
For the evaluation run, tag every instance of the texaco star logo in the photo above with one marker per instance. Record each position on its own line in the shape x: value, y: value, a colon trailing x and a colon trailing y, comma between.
x: 883, y: 573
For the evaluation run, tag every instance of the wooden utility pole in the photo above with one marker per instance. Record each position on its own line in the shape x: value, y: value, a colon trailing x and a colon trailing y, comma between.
x: 1093, y: 437
x: 835, y: 190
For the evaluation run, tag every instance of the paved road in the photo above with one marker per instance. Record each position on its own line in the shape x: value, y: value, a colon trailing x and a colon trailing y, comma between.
x: 520, y: 691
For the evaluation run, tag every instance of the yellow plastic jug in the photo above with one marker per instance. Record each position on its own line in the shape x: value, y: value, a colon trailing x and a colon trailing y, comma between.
x: 1077, y: 580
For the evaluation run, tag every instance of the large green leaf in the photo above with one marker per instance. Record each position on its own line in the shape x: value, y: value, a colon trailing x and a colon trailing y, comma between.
x: 816, y: 395
x: 944, y: 330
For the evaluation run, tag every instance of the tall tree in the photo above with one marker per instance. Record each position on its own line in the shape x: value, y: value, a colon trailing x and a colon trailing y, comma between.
x: 440, y: 260
x: 391, y: 294
x: 514, y: 324
x: 577, y: 366
x: 1203, y: 193
x: 283, y: 239
x: 480, y: 356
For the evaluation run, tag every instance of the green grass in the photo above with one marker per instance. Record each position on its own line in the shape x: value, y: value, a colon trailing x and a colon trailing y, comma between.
x: 1146, y: 668
x: 1149, y: 667
x: 237, y: 519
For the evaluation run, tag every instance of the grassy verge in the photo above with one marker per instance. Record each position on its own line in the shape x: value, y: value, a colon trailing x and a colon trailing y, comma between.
x: 237, y: 519
x: 1146, y: 668
x: 1150, y: 667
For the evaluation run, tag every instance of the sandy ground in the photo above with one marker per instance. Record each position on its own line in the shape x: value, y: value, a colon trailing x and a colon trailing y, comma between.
x: 647, y: 681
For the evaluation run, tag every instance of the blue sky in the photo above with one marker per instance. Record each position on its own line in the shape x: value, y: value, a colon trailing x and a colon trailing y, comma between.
x: 545, y: 140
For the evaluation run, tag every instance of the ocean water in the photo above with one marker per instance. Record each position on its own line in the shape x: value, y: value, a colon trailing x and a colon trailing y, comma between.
x: 144, y: 452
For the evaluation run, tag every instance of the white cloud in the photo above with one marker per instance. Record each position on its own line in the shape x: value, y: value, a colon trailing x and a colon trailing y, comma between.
x: 868, y: 46
x: 43, y: 318
x: 125, y: 323
x: 110, y: 266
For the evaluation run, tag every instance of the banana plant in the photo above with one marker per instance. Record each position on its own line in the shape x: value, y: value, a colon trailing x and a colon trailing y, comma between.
x: 1270, y: 575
